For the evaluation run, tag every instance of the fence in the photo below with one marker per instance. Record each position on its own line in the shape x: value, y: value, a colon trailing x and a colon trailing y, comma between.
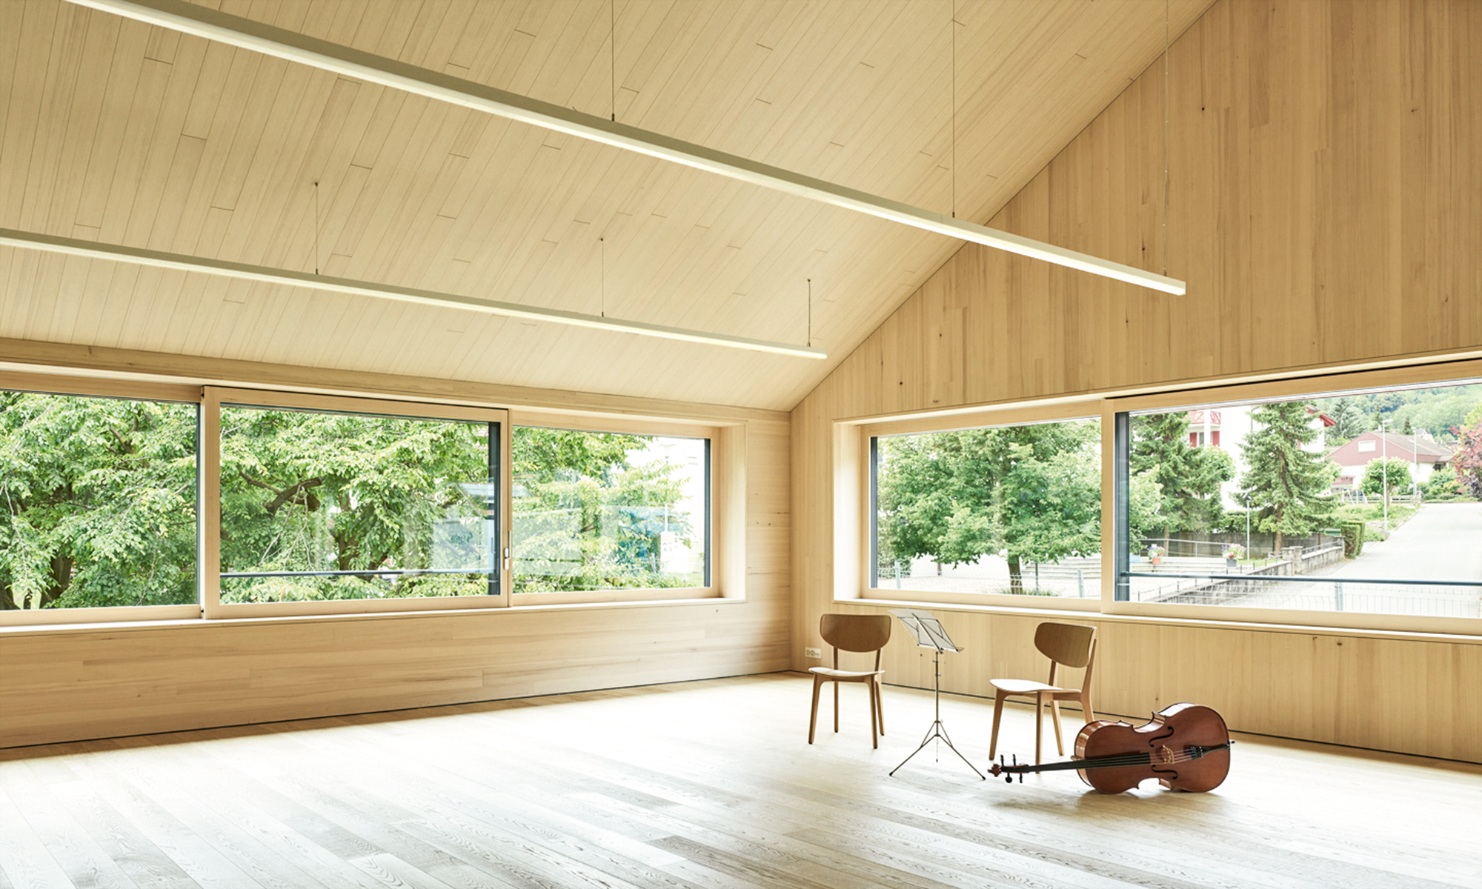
x: 1284, y: 584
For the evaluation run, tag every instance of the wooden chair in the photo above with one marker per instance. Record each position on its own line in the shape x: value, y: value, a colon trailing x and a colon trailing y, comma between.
x: 856, y: 633
x: 1069, y: 645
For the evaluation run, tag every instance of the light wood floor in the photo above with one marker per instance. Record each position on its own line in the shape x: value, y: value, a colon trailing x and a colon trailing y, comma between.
x: 704, y: 784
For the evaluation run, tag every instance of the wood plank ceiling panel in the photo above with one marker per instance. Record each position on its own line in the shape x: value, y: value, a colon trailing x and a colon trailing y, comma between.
x: 128, y: 134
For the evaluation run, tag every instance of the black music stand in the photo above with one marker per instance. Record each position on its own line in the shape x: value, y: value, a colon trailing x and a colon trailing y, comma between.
x: 930, y: 633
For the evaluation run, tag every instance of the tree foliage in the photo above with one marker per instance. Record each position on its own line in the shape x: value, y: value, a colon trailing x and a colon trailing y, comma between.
x: 1386, y: 477
x: 99, y: 499
x: 1032, y: 492
x: 1348, y: 421
x: 332, y: 492
x: 1188, y: 478
x: 1288, y: 486
x: 588, y: 516
x: 99, y: 502
x: 1467, y: 461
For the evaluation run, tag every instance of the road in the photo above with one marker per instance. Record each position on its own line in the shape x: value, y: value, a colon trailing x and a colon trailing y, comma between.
x: 1443, y: 541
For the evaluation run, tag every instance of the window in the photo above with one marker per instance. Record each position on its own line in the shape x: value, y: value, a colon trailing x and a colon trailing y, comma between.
x: 99, y: 504
x: 316, y: 504
x: 1362, y: 501
x: 347, y: 503
x: 967, y: 514
x: 609, y: 511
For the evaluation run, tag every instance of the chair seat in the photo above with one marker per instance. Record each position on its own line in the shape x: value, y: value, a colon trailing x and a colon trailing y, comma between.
x: 845, y: 675
x: 1029, y: 687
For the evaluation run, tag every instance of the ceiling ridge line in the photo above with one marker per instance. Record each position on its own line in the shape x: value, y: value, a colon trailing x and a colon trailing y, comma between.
x: 291, y: 46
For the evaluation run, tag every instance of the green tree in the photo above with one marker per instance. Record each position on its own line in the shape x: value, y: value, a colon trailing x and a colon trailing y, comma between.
x: 1443, y: 484
x: 1348, y: 421
x: 1288, y: 486
x: 1386, y: 476
x: 1188, y: 478
x: 321, y: 492
x: 588, y: 516
x: 99, y: 502
x: 1030, y: 491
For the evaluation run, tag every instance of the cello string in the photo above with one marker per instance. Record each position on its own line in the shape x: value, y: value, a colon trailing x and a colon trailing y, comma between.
x: 1121, y: 759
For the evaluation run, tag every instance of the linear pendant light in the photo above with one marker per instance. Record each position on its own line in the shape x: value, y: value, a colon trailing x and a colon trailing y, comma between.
x: 243, y: 272
x: 246, y: 34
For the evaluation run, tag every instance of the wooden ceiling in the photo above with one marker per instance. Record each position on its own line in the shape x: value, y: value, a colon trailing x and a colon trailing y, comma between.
x: 127, y: 134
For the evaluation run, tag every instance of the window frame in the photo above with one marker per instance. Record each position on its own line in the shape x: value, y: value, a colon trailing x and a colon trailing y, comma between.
x: 720, y: 496
x: 726, y: 545
x: 858, y: 454
x: 1314, y: 386
x: 213, y: 398
x: 101, y: 387
x: 853, y: 487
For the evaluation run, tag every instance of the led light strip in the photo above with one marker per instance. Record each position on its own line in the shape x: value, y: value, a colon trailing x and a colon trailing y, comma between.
x: 243, y: 272
x: 294, y: 47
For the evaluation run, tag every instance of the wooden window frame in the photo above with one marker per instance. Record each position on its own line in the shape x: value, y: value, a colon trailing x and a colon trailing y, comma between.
x: 851, y: 495
x: 725, y: 545
x: 854, y: 450
x: 101, y: 387
x: 210, y: 550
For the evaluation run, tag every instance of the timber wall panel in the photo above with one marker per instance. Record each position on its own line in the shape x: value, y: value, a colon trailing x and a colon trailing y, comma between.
x: 1325, y: 206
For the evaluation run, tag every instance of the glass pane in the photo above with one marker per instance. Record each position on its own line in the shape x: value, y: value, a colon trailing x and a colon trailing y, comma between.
x: 319, y: 506
x: 1363, y: 501
x: 1012, y: 509
x: 606, y: 511
x: 99, y: 502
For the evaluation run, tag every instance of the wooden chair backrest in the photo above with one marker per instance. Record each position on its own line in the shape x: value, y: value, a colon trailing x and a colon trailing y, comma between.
x: 855, y: 632
x: 1073, y: 645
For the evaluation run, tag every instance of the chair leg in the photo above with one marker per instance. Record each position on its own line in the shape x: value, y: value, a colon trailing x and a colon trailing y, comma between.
x: 997, y: 715
x: 813, y: 721
x: 879, y: 703
x: 1086, y: 710
x: 836, y: 708
x: 1039, y: 726
x: 874, y: 714
x: 1055, y: 714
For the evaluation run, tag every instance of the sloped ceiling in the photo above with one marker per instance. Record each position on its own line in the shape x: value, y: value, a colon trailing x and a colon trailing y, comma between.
x: 128, y: 134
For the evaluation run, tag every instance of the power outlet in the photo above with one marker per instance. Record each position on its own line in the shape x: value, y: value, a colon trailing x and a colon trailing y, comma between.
x: 814, y: 653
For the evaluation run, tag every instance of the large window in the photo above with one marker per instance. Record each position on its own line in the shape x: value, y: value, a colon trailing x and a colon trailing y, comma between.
x: 605, y: 511
x: 97, y: 503
x: 333, y: 505
x: 217, y: 503
x: 1011, y: 510
x: 1364, y: 501
x: 1352, y: 500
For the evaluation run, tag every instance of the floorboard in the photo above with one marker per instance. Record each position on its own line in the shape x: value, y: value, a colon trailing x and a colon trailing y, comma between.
x: 705, y: 784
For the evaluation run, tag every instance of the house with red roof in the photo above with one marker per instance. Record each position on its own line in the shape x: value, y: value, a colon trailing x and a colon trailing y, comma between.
x: 1424, y: 454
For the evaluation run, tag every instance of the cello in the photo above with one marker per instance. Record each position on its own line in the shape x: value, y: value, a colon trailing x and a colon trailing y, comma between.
x: 1184, y: 746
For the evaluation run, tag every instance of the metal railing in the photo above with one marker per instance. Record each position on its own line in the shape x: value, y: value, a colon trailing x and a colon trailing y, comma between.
x: 1435, y: 598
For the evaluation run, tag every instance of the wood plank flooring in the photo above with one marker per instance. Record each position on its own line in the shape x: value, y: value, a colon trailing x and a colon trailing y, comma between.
x: 705, y: 784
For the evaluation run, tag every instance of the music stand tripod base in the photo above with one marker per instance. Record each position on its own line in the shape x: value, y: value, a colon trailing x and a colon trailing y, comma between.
x: 930, y: 633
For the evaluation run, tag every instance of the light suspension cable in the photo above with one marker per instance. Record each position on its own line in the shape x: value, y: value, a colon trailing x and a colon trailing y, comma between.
x: 210, y: 24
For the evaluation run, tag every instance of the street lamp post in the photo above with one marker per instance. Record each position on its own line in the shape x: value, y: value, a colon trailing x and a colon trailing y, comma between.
x: 1384, y: 464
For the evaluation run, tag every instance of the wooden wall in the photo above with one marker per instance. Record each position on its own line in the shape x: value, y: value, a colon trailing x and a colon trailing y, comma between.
x: 78, y: 682
x: 1324, y: 203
